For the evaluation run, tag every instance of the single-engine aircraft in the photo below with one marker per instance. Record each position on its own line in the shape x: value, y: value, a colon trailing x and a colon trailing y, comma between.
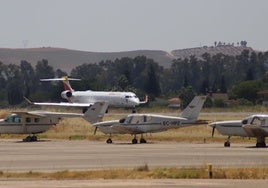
x: 87, y: 98
x: 150, y: 123
x: 252, y: 126
x: 35, y: 122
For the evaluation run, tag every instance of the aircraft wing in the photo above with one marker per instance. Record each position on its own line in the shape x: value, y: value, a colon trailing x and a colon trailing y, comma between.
x: 66, y: 104
x: 125, y: 129
x: 255, y: 131
x: 39, y: 113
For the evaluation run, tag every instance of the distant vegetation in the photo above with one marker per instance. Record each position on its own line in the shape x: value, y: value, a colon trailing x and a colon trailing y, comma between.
x: 241, y: 76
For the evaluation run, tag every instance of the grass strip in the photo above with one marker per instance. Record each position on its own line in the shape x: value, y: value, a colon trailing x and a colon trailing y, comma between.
x: 143, y: 172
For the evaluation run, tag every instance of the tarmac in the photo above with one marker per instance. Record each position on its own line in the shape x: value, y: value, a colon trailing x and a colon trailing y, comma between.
x: 58, y: 155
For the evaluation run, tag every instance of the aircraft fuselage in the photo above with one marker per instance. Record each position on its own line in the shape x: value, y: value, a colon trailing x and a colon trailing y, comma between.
x: 14, y: 124
x: 114, y: 99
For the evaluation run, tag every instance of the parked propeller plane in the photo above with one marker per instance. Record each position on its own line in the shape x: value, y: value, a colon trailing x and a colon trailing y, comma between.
x: 87, y: 98
x: 252, y: 126
x: 35, y: 122
x: 150, y: 123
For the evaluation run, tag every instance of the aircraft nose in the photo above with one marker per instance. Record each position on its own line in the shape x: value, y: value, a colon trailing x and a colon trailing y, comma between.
x: 213, y: 124
x: 135, y: 101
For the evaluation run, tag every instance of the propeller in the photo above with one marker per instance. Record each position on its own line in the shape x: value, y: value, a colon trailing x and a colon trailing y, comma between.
x: 95, y: 131
x: 213, y: 131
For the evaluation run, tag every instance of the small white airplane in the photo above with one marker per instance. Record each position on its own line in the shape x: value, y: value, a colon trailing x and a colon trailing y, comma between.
x: 35, y: 122
x: 87, y: 98
x: 252, y: 126
x: 150, y: 123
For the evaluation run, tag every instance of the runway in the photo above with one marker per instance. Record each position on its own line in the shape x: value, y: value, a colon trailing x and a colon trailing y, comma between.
x: 148, y: 183
x: 57, y: 155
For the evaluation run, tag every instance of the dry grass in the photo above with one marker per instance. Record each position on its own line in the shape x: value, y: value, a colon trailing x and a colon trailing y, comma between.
x: 143, y: 172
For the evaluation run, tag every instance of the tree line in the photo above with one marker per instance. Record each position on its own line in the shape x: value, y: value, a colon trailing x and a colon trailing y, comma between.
x: 241, y: 76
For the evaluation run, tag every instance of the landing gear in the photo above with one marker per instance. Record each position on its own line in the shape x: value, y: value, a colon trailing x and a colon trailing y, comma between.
x: 142, y: 140
x: 261, y: 142
x: 109, y: 141
x: 261, y: 145
x: 227, y: 143
x: 134, y: 141
x: 30, y: 139
x: 133, y: 110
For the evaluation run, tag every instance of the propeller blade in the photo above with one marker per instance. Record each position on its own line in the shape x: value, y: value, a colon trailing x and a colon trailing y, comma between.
x: 213, y: 131
x: 95, y: 130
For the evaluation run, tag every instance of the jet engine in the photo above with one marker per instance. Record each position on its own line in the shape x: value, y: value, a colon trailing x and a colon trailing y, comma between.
x: 66, y: 94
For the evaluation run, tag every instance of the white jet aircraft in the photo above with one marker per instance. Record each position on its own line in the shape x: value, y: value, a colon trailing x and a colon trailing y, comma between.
x: 87, y: 98
x: 34, y: 122
x: 252, y: 126
x: 150, y: 123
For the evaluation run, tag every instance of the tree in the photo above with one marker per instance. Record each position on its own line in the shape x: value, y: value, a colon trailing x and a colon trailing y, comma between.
x: 28, y: 78
x: 223, y: 88
x: 248, y: 90
x: 152, y: 86
x: 186, y: 95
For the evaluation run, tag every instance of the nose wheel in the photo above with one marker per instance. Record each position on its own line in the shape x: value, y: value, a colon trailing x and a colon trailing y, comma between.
x: 109, y: 141
x: 227, y: 143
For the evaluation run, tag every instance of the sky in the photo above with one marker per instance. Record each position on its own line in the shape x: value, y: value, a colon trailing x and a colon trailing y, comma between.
x: 124, y: 25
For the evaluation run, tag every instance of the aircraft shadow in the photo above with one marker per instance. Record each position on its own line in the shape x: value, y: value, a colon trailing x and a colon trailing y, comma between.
x: 129, y: 143
x: 20, y: 141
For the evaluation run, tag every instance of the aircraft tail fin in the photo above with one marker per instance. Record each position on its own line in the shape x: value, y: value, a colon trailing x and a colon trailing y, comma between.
x: 95, y: 112
x: 65, y: 80
x: 191, y: 112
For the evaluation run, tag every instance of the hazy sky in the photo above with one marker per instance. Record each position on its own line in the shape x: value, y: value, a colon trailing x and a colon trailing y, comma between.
x: 121, y: 25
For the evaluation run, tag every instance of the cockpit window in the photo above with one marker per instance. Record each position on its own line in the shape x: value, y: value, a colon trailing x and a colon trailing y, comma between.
x: 258, y: 121
x: 13, y: 119
x: 245, y: 121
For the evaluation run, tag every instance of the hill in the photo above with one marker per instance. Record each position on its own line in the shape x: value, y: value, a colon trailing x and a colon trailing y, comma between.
x: 66, y: 59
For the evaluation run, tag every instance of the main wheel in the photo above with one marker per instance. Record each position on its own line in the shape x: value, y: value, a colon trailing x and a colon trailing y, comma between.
x: 227, y: 144
x: 143, y: 141
x: 261, y: 145
x: 134, y: 141
x: 27, y: 139
x: 33, y: 138
x: 109, y: 141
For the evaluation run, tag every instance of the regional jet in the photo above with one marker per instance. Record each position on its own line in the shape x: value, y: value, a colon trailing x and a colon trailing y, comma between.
x: 150, y: 123
x: 87, y: 98
x: 35, y: 122
x: 252, y: 126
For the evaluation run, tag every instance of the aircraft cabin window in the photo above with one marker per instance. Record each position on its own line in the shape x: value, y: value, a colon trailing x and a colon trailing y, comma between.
x: 28, y: 120
x: 17, y: 120
x: 36, y: 120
